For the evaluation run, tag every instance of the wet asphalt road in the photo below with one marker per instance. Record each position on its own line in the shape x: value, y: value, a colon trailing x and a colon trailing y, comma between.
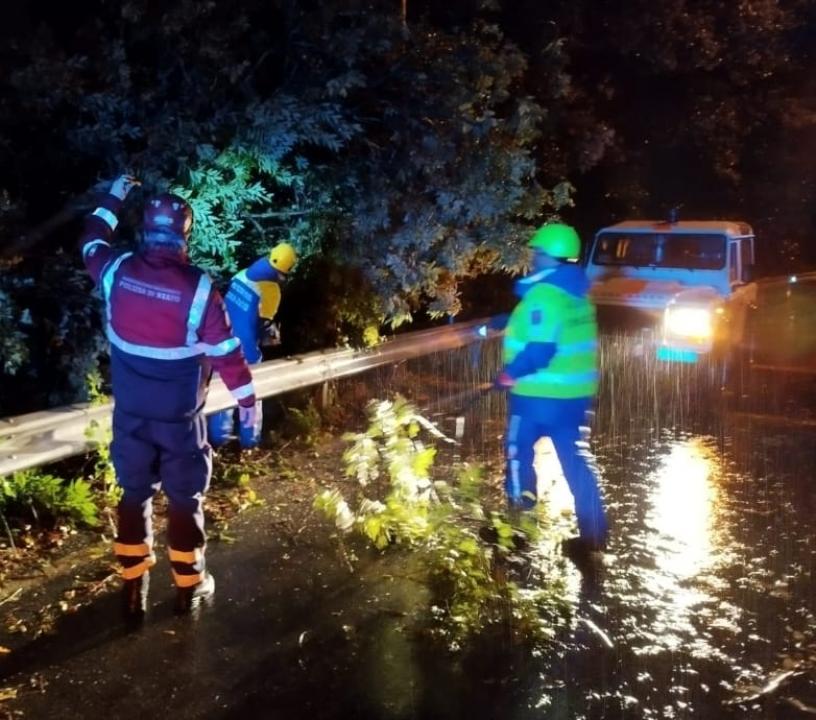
x: 705, y: 596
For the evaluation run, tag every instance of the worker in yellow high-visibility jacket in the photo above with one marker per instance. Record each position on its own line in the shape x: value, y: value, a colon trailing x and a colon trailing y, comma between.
x: 550, y: 356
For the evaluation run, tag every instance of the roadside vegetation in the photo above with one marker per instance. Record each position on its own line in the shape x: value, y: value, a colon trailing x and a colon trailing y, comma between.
x: 474, y: 556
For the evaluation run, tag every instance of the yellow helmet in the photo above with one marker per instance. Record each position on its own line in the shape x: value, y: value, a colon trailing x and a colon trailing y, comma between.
x: 283, y: 257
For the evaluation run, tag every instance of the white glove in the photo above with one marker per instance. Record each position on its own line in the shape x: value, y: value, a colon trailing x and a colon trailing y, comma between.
x: 247, y: 416
x: 123, y: 185
x: 271, y: 334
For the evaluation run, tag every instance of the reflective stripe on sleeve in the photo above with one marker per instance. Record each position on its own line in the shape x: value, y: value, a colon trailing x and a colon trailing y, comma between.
x: 202, y: 294
x: 542, y: 377
x: 107, y: 280
x: 223, y: 348
x: 86, y: 248
x: 578, y: 347
x: 243, y: 392
x: 244, y: 280
x: 563, y: 349
x: 110, y: 218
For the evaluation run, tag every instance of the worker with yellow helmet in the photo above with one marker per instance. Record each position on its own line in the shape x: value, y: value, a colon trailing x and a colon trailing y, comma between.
x: 252, y: 302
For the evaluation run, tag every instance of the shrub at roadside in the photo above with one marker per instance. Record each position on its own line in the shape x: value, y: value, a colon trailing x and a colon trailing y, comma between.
x: 469, y: 550
x: 40, y: 496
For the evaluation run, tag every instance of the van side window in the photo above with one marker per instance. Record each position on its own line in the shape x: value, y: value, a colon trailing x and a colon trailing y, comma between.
x: 733, y: 263
x: 746, y: 260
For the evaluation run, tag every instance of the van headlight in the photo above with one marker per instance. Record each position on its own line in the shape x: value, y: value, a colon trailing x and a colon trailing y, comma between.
x: 688, y: 322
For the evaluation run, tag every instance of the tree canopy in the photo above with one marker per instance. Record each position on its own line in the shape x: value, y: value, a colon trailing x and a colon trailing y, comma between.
x: 400, y: 154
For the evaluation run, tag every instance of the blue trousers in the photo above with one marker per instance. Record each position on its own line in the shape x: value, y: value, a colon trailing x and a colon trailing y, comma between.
x: 560, y: 420
x: 174, y: 456
x: 221, y: 427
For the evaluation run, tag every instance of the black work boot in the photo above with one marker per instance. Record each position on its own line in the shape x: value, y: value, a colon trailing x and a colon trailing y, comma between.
x: 585, y: 554
x: 189, y: 599
x: 578, y: 547
x: 134, y: 597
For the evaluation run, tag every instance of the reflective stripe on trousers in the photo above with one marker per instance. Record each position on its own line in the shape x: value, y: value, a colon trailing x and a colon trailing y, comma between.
x: 513, y: 479
x: 135, y: 558
x: 148, y: 454
x: 188, y: 566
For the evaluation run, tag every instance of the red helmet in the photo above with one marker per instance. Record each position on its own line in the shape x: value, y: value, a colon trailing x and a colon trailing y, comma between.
x: 168, y: 213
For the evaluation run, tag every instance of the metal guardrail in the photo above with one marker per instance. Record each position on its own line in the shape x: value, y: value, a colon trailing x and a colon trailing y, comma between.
x: 39, y: 438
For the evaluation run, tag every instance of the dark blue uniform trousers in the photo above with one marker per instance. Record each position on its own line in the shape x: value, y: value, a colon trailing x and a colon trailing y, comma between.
x: 560, y: 420
x: 175, y: 456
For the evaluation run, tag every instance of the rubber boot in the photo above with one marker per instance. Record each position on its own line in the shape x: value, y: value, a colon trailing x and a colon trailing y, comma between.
x: 134, y: 597
x: 190, y: 598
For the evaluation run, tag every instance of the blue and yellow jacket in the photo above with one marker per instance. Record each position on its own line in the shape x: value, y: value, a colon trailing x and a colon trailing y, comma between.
x: 254, y: 295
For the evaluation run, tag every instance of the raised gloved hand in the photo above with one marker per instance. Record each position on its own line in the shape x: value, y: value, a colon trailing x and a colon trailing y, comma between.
x: 123, y: 185
x: 504, y: 380
x: 247, y: 416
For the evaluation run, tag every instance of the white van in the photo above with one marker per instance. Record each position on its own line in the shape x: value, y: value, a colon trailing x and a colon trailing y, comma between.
x: 689, y: 280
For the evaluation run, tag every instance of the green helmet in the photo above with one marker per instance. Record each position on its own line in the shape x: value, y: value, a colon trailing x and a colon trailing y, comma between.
x: 557, y: 240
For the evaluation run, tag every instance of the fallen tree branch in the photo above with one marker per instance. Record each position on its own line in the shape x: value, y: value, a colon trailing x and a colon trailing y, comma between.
x: 12, y: 596
x: 800, y: 706
x: 97, y: 586
x: 260, y: 228
x: 771, y: 686
x: 600, y: 633
x: 8, y: 531
x: 283, y: 213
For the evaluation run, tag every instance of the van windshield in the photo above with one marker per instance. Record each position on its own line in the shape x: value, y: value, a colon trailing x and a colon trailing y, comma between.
x: 687, y: 250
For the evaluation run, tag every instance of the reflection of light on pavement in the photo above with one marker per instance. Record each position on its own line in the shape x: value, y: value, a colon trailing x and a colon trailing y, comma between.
x: 559, y: 507
x: 684, y: 534
x: 552, y: 486
x: 682, y: 508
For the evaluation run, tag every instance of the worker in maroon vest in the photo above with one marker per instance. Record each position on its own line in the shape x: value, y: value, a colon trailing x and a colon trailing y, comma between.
x: 168, y: 331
